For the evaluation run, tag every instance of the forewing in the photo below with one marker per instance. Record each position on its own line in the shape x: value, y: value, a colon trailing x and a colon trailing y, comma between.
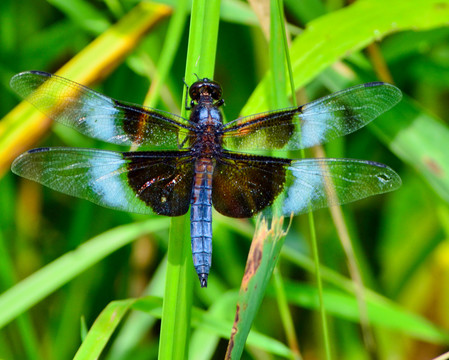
x: 243, y: 185
x: 99, y: 116
x: 315, y: 123
x: 139, y: 182
x: 317, y: 183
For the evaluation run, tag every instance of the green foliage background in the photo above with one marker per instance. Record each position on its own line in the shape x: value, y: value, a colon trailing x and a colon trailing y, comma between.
x: 78, y: 258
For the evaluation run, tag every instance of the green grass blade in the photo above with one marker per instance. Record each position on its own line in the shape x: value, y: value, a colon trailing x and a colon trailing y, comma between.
x: 134, y: 330
x: 281, y: 71
x: 33, y: 289
x: 213, y: 324
x: 24, y: 125
x: 202, y: 40
x: 175, y: 326
x: 381, y: 312
x: 285, y: 314
x: 106, y: 323
x: 102, y: 329
x: 84, y: 14
x: 278, y: 98
x: 171, y: 45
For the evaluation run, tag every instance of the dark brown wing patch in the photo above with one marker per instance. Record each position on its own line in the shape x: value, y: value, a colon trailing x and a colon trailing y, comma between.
x: 243, y: 185
x: 163, y: 180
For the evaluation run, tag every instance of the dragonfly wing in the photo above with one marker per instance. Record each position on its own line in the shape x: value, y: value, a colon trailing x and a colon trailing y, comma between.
x: 243, y: 185
x: 99, y: 116
x: 139, y: 182
x: 315, y: 123
x: 312, y: 184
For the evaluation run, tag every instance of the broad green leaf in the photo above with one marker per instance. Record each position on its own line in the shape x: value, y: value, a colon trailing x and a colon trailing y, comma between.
x: 419, y: 140
x: 262, y: 258
x: 332, y: 37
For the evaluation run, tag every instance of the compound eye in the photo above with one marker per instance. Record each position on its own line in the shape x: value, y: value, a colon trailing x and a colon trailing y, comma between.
x: 194, y: 90
x: 215, y: 90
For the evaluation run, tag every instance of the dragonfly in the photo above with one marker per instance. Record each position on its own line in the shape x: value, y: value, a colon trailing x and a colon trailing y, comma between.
x: 200, y: 162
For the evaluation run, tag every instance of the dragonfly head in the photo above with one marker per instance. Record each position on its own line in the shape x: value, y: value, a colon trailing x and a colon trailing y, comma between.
x: 203, y: 88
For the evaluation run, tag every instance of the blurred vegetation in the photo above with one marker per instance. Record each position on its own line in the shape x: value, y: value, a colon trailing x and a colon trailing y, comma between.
x: 97, y: 256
